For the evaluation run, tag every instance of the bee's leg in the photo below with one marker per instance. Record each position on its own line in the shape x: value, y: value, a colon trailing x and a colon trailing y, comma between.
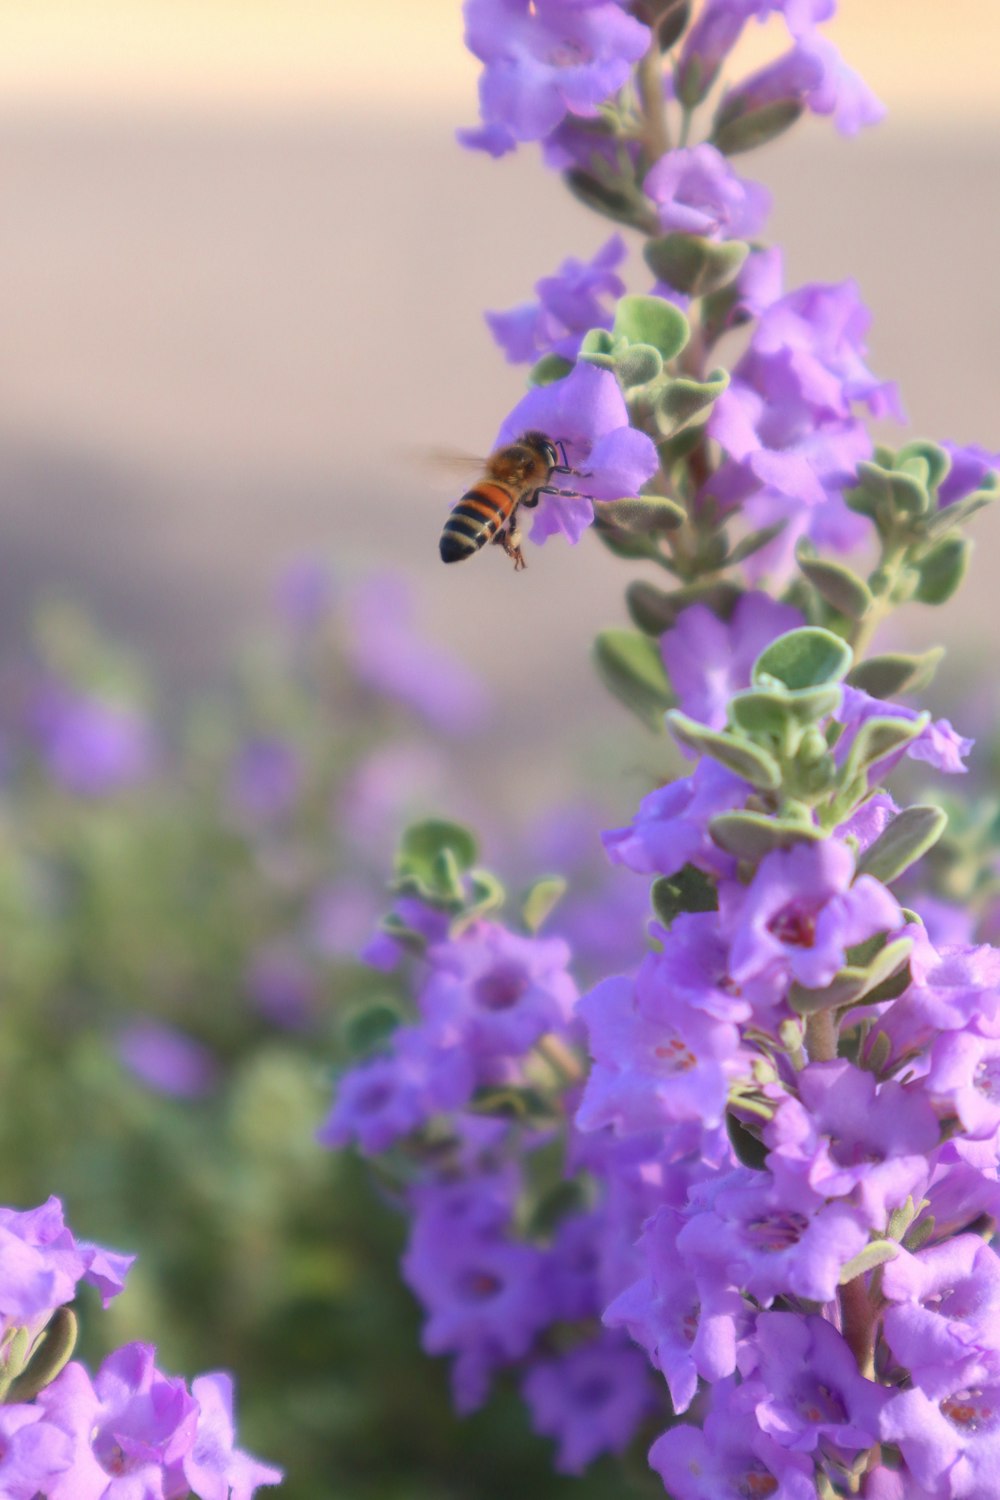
x: 565, y: 469
x: 531, y: 501
x: 550, y: 489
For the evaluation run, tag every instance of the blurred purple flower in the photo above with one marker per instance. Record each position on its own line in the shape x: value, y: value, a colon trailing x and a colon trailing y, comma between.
x: 590, y: 1399
x: 388, y: 655
x: 814, y: 75
x: 89, y: 744
x: 167, y: 1060
x: 265, y: 780
x: 970, y: 465
x: 305, y: 594
x: 282, y: 986
x: 568, y: 305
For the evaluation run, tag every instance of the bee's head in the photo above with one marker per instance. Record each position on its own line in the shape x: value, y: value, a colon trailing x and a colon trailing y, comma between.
x: 542, y: 445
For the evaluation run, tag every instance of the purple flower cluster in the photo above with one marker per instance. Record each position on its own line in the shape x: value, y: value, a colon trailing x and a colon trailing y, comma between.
x: 128, y: 1432
x: 787, y: 422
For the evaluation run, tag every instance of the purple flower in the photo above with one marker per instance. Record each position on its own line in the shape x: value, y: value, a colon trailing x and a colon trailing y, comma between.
x: 656, y: 1059
x: 938, y: 744
x: 708, y: 660
x: 697, y: 192
x: 167, y: 1060
x: 89, y: 744
x: 970, y: 466
x: 848, y: 1136
x: 591, y: 1400
x: 544, y: 61
x: 568, y: 305
x: 482, y: 1292
x: 950, y: 1445
x: 670, y: 828
x: 943, y: 1325
x: 389, y: 656
x: 814, y: 75
x: 801, y: 913
x: 717, y: 29
x: 305, y: 594
x: 216, y: 1469
x: 132, y: 1428
x: 282, y: 986
x: 730, y: 1458
x: 687, y: 1329
x: 265, y: 780
x: 493, y: 993
x: 786, y: 420
x: 395, y: 1093
x: 950, y: 989
x: 587, y: 412
x: 32, y: 1452
x: 41, y: 1264
x: 807, y: 1388
x: 771, y: 1240
x: 963, y: 1078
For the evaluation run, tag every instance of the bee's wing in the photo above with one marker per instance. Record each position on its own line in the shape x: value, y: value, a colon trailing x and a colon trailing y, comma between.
x: 452, y: 461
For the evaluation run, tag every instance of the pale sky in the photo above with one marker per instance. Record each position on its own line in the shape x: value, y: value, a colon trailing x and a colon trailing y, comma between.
x: 930, y: 60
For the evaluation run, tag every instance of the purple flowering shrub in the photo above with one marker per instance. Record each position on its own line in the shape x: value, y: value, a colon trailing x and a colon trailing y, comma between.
x: 738, y: 1199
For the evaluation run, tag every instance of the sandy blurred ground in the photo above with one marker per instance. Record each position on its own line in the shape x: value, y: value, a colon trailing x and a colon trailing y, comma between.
x: 242, y: 268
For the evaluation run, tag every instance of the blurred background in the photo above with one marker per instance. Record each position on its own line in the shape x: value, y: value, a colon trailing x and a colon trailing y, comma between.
x: 242, y: 279
x: 243, y: 266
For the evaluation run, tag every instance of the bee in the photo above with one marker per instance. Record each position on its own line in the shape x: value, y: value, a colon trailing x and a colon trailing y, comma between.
x: 514, y: 475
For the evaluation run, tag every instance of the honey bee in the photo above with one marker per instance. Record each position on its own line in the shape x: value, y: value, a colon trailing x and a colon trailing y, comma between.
x: 514, y: 475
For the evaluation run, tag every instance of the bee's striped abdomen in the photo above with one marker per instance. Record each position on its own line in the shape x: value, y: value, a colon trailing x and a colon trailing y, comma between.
x: 476, y: 519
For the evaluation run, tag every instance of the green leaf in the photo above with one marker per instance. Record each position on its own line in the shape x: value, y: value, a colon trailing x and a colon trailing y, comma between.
x: 887, y: 496
x: 432, y: 857
x: 616, y: 202
x: 638, y: 365
x: 879, y: 737
x: 367, y: 1030
x: 751, y: 835
x: 672, y: 24
x: 876, y: 1253
x: 750, y: 1149
x: 894, y: 673
x: 561, y: 1200
x: 51, y: 1354
x: 630, y: 665
x: 758, y: 712
x: 736, y: 132
x: 853, y: 982
x: 643, y: 513
x: 689, y: 890
x: 486, y: 894
x: 909, y: 836
x: 598, y: 341
x: 837, y: 584
x: 803, y: 658
x: 694, y: 265
x: 935, y: 462
x: 754, y: 541
x: 682, y: 400
x: 740, y: 756
x: 549, y: 369
x: 955, y: 515
x: 541, y: 898
x: 655, y: 611
x: 651, y: 320
x: 942, y: 569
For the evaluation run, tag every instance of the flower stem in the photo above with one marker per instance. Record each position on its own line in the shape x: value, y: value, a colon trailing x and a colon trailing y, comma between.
x: 649, y: 78
x: 821, y: 1036
x: 857, y: 1317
